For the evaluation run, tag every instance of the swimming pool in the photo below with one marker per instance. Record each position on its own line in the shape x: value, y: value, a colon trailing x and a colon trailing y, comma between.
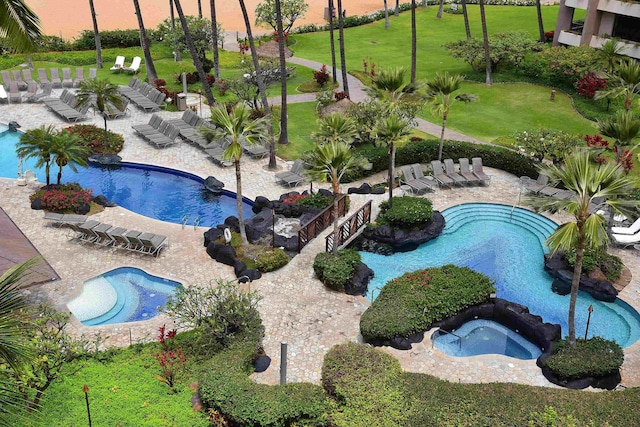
x: 125, y: 294
x: 508, y: 246
x: 160, y: 193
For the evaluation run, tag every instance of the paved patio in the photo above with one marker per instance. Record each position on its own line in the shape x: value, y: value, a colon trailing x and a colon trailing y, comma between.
x: 296, y: 307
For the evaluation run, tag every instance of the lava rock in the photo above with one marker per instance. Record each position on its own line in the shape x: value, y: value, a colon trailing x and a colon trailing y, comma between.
x: 325, y: 193
x: 213, y: 248
x: 233, y: 223
x: 378, y: 190
x: 239, y: 267
x: 562, y: 273
x: 359, y: 282
x: 363, y: 189
x: 83, y: 209
x: 212, y: 235
x: 103, y: 201
x: 213, y: 185
x: 249, y: 275
x: 261, y: 203
x: 262, y: 363
x: 37, y: 204
x: 226, y: 255
x: 105, y: 159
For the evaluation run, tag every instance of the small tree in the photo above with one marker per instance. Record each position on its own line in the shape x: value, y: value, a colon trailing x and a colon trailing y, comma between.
x: 68, y: 151
x: 624, y: 83
x: 335, y: 128
x: 292, y: 10
x: 104, y: 98
x: 623, y: 129
x: 36, y: 144
x: 391, y: 130
x: 550, y: 144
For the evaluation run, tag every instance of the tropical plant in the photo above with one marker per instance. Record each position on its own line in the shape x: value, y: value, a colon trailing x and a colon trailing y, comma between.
x: 389, y: 81
x: 609, y: 55
x: 19, y: 26
x: 343, y: 60
x: 623, y: 129
x: 36, y: 144
x: 591, y: 182
x: 291, y: 10
x: 103, y: 96
x: 391, y: 130
x: 96, y: 34
x: 67, y: 150
x: 152, y: 75
x: 335, y: 128
x: 329, y: 162
x: 440, y: 91
x: 550, y: 144
x: 238, y: 126
x: 624, y: 83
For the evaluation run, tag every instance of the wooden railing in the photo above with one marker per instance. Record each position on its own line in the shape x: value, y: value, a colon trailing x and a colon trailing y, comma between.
x: 320, y: 222
x: 350, y: 227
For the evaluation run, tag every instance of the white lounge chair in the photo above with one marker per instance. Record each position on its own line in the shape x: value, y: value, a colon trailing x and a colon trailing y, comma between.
x: 119, y: 64
x: 135, y: 65
x: 626, y: 239
x: 633, y: 229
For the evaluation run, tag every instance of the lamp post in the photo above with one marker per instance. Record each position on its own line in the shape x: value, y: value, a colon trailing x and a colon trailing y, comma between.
x: 273, y: 229
x: 85, y: 389
x: 588, y: 320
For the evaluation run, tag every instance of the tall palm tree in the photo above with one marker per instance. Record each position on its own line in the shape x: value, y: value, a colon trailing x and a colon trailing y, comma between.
x: 397, y: 11
x: 386, y: 15
x: 623, y: 129
x: 330, y: 161
x: 440, y: 9
x: 261, y: 86
x: 194, y: 55
x: 414, y: 42
x: 333, y: 45
x: 284, y: 133
x: 540, y: 23
x: 485, y: 40
x: 176, y: 54
x: 199, y: 8
x: 391, y: 130
x: 19, y: 26
x: 103, y: 96
x: 68, y: 151
x: 343, y: 60
x: 152, y: 76
x: 440, y: 92
x: 239, y: 128
x: 36, y: 144
x: 589, y: 181
x: 96, y: 35
x: 335, y: 128
x: 467, y: 28
x: 625, y: 83
x: 214, y: 38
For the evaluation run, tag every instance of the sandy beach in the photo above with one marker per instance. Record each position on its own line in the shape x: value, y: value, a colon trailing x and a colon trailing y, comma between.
x: 66, y: 18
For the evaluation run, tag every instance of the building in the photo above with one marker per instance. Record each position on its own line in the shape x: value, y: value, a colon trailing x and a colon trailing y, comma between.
x: 605, y: 19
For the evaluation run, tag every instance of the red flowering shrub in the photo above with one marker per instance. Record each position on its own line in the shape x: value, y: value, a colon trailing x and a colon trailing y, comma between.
x: 626, y: 160
x: 93, y: 137
x: 596, y: 141
x: 286, y: 37
x: 293, y: 199
x: 160, y: 83
x: 190, y: 77
x: 589, y: 84
x: 322, y: 76
x: 243, y: 46
x: 548, y: 36
x: 64, y: 197
x: 171, y: 359
x: 373, y: 69
x: 169, y: 95
x: 341, y: 95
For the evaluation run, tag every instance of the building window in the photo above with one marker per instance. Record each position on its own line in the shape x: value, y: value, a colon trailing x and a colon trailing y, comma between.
x: 627, y: 28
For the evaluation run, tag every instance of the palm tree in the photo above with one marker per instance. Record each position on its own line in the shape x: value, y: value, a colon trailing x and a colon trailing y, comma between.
x: 467, y: 29
x: 330, y: 161
x: 104, y: 97
x: 96, y: 35
x: 239, y: 128
x: 540, y: 23
x: 609, y: 55
x: 36, y: 144
x: 152, y: 76
x: 386, y: 15
x: 333, y: 45
x: 414, y: 40
x: 589, y: 181
x: 388, y: 81
x: 343, y: 60
x: 284, y: 133
x: 624, y: 83
x: 391, y: 130
x: 440, y: 91
x: 194, y: 55
x: 485, y: 39
x: 440, y: 9
x: 176, y: 54
x: 214, y: 38
x: 397, y: 11
x: 19, y: 26
x: 261, y: 85
x: 335, y: 128
x: 68, y: 151
x: 623, y: 129
x: 199, y: 8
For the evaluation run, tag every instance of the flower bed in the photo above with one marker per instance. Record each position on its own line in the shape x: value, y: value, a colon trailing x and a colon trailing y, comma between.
x: 64, y: 197
x: 93, y: 137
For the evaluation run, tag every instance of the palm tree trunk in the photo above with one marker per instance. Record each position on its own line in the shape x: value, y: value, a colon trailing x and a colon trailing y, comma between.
x: 243, y: 233
x: 392, y: 166
x: 194, y: 55
x: 397, y: 11
x: 414, y: 41
x: 261, y: 86
x: 485, y: 38
x: 333, y: 45
x: 575, y: 285
x: 199, y: 8
x: 214, y: 37
x: 176, y: 54
x: 152, y: 76
x: 540, y: 23
x: 343, y: 61
x: 386, y: 15
x: 106, y: 135
x: 466, y: 19
x: 440, y: 9
x: 335, y: 182
x: 59, y: 173
x: 284, y: 134
x: 444, y: 126
x: 96, y: 35
x: 47, y: 172
x: 628, y: 101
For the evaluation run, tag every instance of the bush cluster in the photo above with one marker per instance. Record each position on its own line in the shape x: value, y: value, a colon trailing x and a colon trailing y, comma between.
x: 63, y: 197
x: 592, y: 357
x: 610, y: 265
x: 336, y: 270
x: 413, y: 302
x: 316, y: 200
x: 406, y: 213
x: 108, y: 39
x: 93, y: 137
x: 321, y: 76
x: 589, y: 84
x: 271, y: 260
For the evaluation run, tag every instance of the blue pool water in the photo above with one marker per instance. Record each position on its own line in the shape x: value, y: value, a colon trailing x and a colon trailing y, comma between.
x: 509, y: 248
x: 160, y: 193
x: 137, y: 297
x: 485, y: 337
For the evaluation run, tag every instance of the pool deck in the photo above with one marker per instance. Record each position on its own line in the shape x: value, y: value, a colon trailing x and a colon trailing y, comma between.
x: 296, y: 307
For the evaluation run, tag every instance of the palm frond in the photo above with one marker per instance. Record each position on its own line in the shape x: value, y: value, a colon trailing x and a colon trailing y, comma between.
x: 564, y: 238
x: 19, y: 25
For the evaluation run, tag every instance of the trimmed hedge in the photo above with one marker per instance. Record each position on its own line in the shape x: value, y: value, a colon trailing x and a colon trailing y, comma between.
x: 406, y: 213
x: 242, y: 402
x: 593, y: 357
x: 423, y: 151
x: 271, y: 260
x: 411, y: 303
x: 336, y: 270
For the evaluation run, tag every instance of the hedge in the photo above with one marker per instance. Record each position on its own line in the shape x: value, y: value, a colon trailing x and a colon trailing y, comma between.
x: 592, y: 357
x: 406, y: 213
x: 411, y: 303
x: 336, y: 270
x: 423, y: 151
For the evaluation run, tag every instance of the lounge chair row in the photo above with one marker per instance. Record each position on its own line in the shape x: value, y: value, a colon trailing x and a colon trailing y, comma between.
x: 64, y: 219
x: 294, y: 176
x: 158, y: 132
x: 133, y: 68
x: 143, y: 95
x: 448, y: 176
x: 413, y: 179
x: 541, y: 186
x: 34, y: 94
x: 65, y: 106
x: 23, y: 79
x: 107, y: 235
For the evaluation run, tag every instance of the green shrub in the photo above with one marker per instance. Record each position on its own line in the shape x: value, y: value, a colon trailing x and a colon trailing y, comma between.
x: 336, y: 270
x: 109, y: 39
x: 413, y: 302
x: 93, y: 137
x: 316, y: 200
x: 406, y: 213
x: 568, y: 63
x: 592, y: 357
x: 610, y: 265
x: 271, y: 260
x: 244, y: 403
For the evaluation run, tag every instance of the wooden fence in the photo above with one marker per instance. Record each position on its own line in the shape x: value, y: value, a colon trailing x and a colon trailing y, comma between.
x: 320, y: 222
x: 350, y: 227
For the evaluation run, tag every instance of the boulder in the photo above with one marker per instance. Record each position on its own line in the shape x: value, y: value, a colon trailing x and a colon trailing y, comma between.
x: 262, y: 363
x: 233, y: 223
x: 239, y: 267
x: 359, y: 282
x: 249, y: 275
x: 378, y: 190
x: 211, y: 235
x: 213, y: 248
x: 213, y: 185
x: 105, y: 159
x: 83, y: 209
x: 36, y: 204
x: 325, y: 193
x: 562, y: 273
x: 363, y: 189
x: 103, y: 201
x: 226, y: 255
x: 261, y: 203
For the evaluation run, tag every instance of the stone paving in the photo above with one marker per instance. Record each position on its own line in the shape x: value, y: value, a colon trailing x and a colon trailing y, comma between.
x: 296, y: 307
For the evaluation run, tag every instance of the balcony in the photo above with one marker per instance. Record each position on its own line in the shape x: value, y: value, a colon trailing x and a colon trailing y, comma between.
x: 620, y: 7
x: 577, y: 4
x: 627, y: 48
x: 568, y: 38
